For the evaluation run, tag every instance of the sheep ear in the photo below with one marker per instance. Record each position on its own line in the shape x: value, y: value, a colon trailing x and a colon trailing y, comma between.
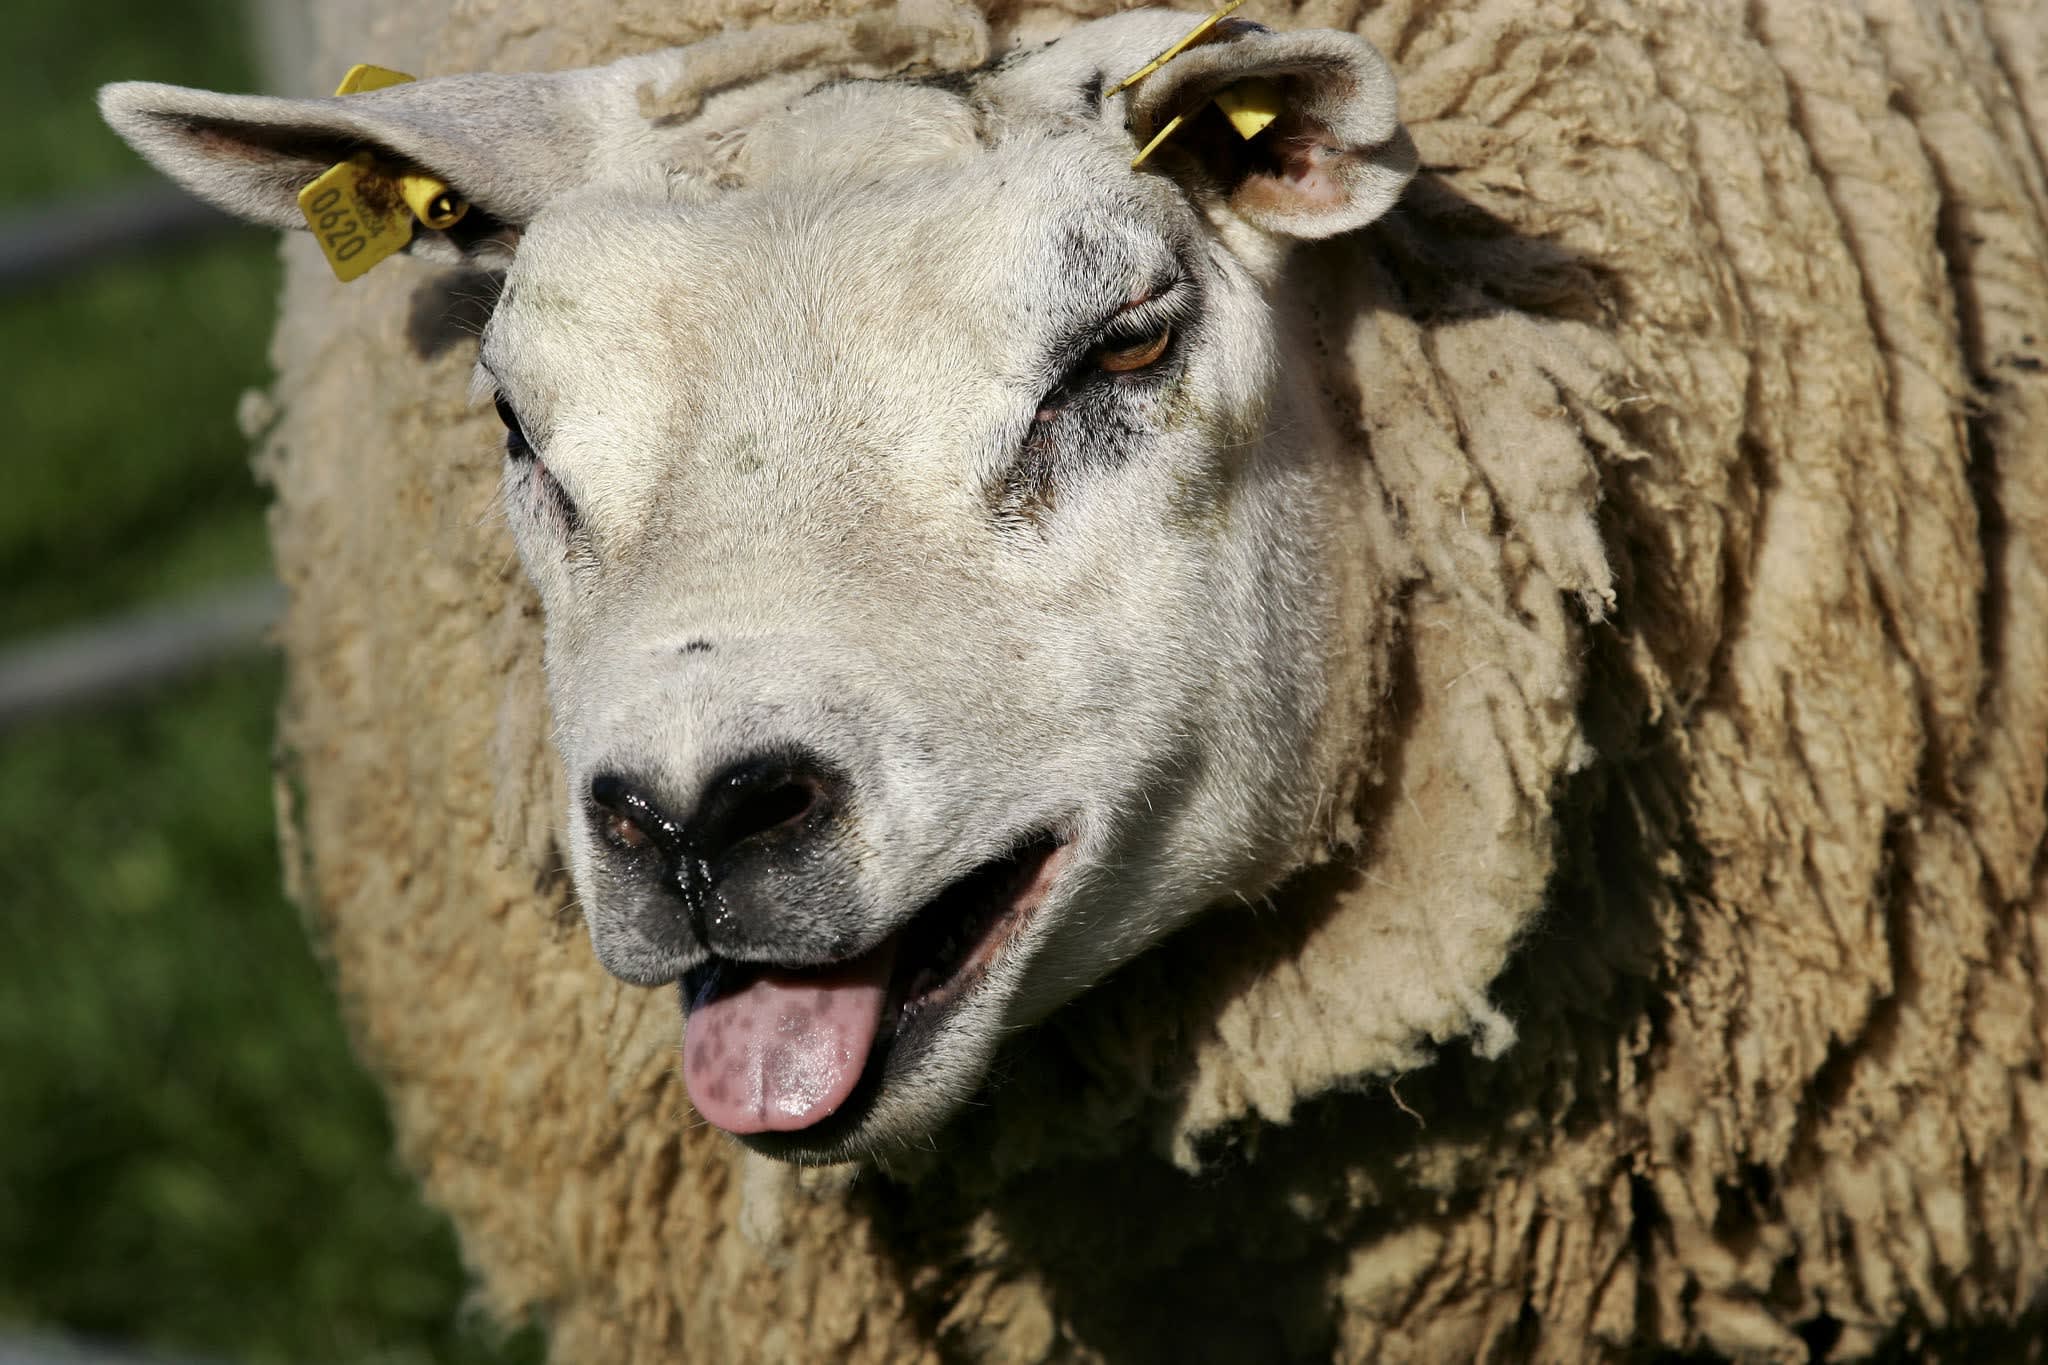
x: 504, y: 144
x: 1296, y: 131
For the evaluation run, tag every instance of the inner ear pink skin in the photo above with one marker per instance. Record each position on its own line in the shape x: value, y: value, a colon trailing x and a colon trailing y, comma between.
x: 1308, y: 178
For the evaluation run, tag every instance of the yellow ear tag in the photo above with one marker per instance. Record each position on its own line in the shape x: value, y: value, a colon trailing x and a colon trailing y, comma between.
x: 1250, y: 105
x: 362, y: 76
x: 359, y: 212
x: 356, y: 216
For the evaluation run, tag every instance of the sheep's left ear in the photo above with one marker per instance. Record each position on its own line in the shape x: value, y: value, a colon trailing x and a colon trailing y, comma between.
x: 1334, y: 155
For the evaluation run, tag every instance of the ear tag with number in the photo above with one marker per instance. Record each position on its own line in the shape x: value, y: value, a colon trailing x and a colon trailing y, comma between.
x: 360, y: 212
x: 356, y: 215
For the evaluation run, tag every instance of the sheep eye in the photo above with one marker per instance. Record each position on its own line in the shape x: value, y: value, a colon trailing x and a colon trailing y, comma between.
x: 1126, y: 359
x: 516, y: 444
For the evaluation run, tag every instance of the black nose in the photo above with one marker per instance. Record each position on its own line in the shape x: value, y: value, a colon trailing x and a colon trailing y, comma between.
x: 771, y: 798
x: 739, y: 866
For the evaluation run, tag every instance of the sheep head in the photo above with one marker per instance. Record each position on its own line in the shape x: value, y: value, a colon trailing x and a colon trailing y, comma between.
x: 930, y: 537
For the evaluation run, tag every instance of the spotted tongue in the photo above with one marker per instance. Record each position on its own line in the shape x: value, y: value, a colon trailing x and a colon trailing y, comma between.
x: 785, y: 1050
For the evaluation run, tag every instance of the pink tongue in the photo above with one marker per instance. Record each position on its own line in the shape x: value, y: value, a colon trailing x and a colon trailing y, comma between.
x: 786, y: 1050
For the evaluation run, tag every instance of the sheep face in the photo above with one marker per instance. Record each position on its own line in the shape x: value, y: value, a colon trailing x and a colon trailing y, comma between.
x: 930, y: 551
x: 928, y: 602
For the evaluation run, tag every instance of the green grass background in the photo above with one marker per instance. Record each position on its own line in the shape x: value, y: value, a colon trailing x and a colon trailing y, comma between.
x: 189, y: 1158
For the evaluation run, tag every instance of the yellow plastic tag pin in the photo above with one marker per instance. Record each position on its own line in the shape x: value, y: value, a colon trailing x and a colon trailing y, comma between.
x: 1250, y: 105
x: 1199, y: 33
x: 1165, y: 131
x: 356, y: 217
x: 361, y: 213
x: 431, y: 201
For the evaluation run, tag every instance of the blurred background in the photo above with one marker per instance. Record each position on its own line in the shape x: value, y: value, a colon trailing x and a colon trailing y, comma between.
x: 192, y: 1167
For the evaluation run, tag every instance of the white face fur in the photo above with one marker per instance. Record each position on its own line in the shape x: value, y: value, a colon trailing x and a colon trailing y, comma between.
x: 935, y: 595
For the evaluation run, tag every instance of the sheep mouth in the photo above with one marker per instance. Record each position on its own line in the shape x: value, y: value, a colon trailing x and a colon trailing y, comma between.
x: 793, y: 1059
x: 948, y: 945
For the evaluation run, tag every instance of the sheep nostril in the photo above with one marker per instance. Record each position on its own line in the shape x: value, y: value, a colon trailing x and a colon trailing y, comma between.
x: 626, y: 818
x: 621, y: 832
x: 758, y: 812
x: 765, y: 795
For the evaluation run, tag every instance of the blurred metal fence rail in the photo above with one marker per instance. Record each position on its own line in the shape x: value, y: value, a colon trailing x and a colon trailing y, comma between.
x: 62, y: 236
x: 108, y: 660
x: 51, y: 1350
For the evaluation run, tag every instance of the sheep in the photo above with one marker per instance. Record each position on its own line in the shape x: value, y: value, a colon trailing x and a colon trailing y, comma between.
x: 1660, y: 972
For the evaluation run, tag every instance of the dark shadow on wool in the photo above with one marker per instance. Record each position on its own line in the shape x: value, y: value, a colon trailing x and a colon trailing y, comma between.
x: 1145, y: 1262
x: 2023, y: 1342
x: 1452, y: 259
x: 450, y: 309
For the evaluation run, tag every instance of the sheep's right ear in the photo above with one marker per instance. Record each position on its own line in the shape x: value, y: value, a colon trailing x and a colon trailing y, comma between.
x: 505, y: 144
x: 1335, y: 156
